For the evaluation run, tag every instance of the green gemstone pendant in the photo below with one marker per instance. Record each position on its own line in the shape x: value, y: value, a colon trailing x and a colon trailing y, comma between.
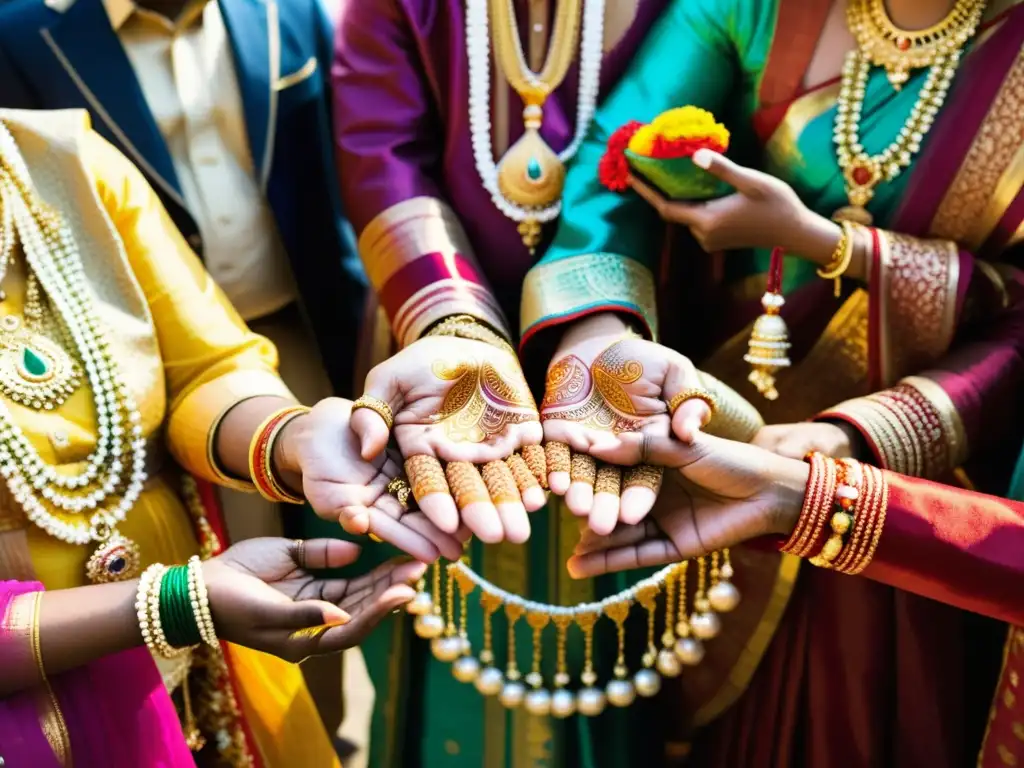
x: 534, y: 170
x: 34, y: 364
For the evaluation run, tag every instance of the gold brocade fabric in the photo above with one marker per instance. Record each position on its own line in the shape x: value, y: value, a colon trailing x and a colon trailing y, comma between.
x: 186, y: 356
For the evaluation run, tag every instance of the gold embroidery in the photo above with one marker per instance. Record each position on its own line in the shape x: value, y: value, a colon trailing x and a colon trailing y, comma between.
x: 782, y: 150
x: 991, y: 172
x: 1006, y: 755
x: 918, y: 295
x: 566, y: 286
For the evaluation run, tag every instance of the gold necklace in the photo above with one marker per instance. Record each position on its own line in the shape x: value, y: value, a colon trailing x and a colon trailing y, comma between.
x: 531, y: 174
x: 939, y: 48
x: 899, y: 51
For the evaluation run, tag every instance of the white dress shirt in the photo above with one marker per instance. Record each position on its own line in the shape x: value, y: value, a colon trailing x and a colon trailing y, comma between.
x: 187, y: 73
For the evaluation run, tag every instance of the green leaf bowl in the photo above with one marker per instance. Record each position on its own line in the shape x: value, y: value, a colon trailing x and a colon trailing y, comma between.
x: 678, y: 178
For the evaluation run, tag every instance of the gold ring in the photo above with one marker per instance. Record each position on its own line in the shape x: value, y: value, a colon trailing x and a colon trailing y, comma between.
x: 399, y: 488
x: 300, y: 553
x: 693, y: 393
x: 378, y: 406
x: 375, y: 538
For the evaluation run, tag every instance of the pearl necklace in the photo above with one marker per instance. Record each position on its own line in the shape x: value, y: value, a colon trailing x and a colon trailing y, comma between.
x: 117, y: 466
x: 478, y: 47
x: 863, y: 172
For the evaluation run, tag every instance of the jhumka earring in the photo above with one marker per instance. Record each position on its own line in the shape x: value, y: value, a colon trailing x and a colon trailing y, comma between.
x: 769, y: 341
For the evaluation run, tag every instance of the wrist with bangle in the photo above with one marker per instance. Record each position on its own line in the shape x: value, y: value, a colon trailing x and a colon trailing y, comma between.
x: 471, y: 328
x: 173, y: 609
x: 262, y: 471
x: 843, y: 514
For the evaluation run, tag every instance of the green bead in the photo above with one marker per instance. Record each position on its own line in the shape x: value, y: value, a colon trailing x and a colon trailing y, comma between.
x: 33, y: 363
x: 533, y: 169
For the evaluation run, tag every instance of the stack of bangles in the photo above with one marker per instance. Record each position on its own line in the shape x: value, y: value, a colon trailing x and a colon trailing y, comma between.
x: 843, y: 514
x: 174, y: 610
x: 261, y: 456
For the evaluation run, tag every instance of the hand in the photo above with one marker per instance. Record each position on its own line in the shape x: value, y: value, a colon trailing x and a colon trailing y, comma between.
x: 342, y: 486
x: 797, y: 440
x: 607, y: 387
x: 721, y: 493
x: 764, y: 212
x: 262, y: 596
x: 465, y: 402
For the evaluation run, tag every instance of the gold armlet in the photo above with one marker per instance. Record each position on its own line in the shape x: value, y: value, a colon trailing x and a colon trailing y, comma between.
x: 736, y: 418
x: 469, y: 327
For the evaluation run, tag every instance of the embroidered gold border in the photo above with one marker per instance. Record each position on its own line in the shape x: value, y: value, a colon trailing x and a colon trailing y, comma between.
x: 399, y: 235
x: 754, y: 649
x: 992, y: 171
x: 917, y: 294
x: 562, y: 287
x: 952, y: 424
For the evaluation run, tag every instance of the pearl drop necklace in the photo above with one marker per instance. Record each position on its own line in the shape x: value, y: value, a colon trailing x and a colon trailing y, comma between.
x: 117, y: 466
x: 478, y: 48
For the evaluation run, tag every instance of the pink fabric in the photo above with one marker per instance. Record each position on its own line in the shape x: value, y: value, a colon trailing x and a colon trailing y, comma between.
x: 116, y: 709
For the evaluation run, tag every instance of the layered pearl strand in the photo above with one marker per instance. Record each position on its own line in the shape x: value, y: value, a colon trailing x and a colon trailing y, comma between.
x: 117, y: 466
x: 863, y: 172
x: 478, y: 47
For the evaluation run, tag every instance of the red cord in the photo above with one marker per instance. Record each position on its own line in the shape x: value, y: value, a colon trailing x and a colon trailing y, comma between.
x: 774, y: 283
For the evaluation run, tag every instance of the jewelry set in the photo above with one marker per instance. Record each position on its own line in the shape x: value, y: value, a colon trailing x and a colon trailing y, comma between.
x: 843, y: 514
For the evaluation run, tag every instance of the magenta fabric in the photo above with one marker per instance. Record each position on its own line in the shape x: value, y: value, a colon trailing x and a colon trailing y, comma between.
x: 116, y: 709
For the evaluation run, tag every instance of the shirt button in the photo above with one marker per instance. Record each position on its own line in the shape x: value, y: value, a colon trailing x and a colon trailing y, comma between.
x: 196, y: 241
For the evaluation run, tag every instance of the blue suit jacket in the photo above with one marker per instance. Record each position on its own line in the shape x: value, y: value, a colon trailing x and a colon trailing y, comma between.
x: 53, y: 59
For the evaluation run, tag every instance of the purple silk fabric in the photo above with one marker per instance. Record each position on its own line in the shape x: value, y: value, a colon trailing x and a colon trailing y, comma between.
x: 116, y: 709
x: 401, y: 87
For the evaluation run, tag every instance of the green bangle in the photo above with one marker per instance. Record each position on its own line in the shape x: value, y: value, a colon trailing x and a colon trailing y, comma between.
x: 176, y: 615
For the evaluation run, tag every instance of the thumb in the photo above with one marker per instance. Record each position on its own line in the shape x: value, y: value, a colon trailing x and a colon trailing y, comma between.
x: 689, y: 414
x: 374, y: 411
x: 743, y: 179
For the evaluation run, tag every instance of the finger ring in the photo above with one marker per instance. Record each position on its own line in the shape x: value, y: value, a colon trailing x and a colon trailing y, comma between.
x: 609, y: 480
x: 376, y: 405
x: 399, y: 488
x: 426, y: 475
x: 300, y: 553
x: 466, y: 484
x: 643, y: 476
x: 557, y: 457
x: 645, y: 447
x: 693, y: 393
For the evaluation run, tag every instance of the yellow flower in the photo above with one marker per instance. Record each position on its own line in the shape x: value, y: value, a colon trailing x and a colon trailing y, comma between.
x: 643, y: 140
x: 690, y: 123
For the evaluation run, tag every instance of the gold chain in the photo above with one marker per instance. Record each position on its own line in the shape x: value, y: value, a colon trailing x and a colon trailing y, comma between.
x: 533, y: 88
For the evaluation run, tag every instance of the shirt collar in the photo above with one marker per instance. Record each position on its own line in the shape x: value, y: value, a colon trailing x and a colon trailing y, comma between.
x: 119, y: 11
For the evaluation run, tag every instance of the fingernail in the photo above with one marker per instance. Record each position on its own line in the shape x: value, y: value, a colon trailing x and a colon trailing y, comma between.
x: 314, y: 632
x: 703, y: 158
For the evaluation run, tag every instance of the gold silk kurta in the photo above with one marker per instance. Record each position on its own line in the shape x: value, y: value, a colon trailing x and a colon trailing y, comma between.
x: 187, y: 357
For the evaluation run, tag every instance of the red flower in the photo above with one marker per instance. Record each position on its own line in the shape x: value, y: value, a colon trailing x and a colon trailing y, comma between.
x: 613, y: 170
x: 667, y: 149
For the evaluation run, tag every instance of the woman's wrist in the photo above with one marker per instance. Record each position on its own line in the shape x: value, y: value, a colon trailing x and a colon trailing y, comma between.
x: 601, y: 325
x: 285, y: 456
x: 789, y: 486
x: 815, y: 238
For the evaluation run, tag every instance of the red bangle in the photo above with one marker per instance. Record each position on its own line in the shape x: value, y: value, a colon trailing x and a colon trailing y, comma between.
x: 261, y: 455
x: 821, y: 486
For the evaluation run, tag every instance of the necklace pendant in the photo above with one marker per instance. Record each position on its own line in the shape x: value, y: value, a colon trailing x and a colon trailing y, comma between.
x: 530, y: 230
x: 116, y: 559
x: 34, y: 370
x: 530, y: 174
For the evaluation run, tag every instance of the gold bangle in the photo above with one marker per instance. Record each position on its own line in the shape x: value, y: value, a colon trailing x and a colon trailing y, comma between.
x: 261, y: 455
x: 693, y: 393
x: 469, y: 327
x: 378, y: 406
x: 841, y: 257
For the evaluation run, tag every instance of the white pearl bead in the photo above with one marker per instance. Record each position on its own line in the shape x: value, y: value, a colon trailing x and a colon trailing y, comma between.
x: 705, y: 625
x: 446, y: 648
x: 429, y: 626
x: 538, y: 702
x: 420, y: 605
x: 563, y: 703
x: 590, y: 701
x: 621, y: 693
x: 724, y: 596
x: 689, y: 650
x: 489, y: 681
x: 668, y: 663
x: 512, y: 694
x: 466, y: 669
x: 647, y: 682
